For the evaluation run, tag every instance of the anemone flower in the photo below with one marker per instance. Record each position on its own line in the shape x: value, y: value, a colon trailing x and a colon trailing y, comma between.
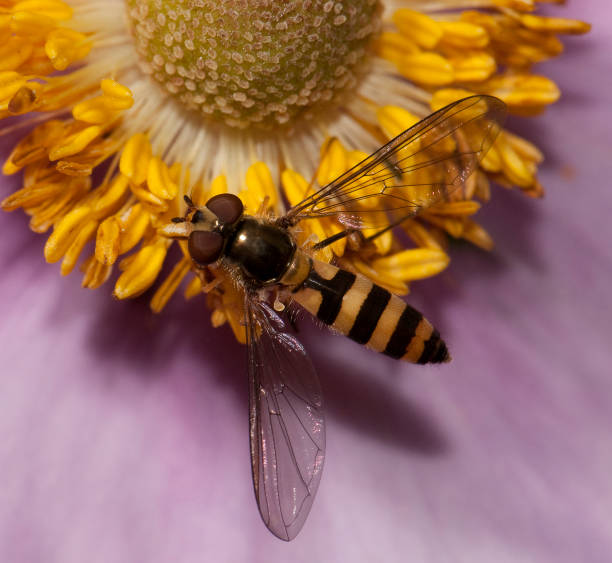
x: 124, y: 432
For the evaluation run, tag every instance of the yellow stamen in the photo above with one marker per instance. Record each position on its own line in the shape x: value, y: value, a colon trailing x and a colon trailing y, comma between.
x: 74, y: 143
x: 477, y: 235
x: 14, y: 52
x: 394, y: 120
x: 554, y: 25
x: 159, y: 181
x: 418, y: 27
x: 134, y: 224
x: 428, y: 69
x: 65, y: 46
x: 170, y: 284
x: 464, y: 35
x: 413, y: 264
x: 51, y: 8
x: 390, y: 282
x: 333, y: 164
x: 107, y: 241
x: 10, y: 83
x: 142, y: 270
x: 393, y: 46
x: 134, y: 162
x: 474, y: 67
x: 86, y: 233
x: 260, y: 184
x: 65, y: 232
x: 194, y: 288
x: 95, y: 273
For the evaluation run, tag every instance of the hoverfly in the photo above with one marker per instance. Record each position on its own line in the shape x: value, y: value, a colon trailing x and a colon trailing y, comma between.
x: 423, y: 165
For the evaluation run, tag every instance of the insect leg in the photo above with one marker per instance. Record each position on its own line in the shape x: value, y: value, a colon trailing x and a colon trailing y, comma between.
x: 332, y: 239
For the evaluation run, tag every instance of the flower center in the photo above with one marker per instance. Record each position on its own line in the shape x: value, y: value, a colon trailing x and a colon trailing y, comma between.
x: 248, y: 62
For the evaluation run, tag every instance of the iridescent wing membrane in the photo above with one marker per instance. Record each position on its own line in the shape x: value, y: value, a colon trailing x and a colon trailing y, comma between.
x: 287, y: 431
x: 419, y: 167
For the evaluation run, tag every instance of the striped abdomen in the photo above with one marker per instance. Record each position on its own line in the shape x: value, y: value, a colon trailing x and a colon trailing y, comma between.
x: 370, y: 315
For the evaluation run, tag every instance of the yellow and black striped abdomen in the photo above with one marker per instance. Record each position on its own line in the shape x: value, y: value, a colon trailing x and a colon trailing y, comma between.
x: 370, y: 315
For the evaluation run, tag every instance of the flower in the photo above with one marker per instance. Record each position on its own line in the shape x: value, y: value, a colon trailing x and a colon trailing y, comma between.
x: 123, y: 437
x: 169, y: 98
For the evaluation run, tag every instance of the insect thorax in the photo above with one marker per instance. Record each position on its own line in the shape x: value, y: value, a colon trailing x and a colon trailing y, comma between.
x: 262, y: 250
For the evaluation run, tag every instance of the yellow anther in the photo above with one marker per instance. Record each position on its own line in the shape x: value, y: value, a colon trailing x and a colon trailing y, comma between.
x: 429, y: 69
x: 235, y: 318
x: 142, y: 270
x: 65, y: 232
x: 65, y: 46
x: 193, y: 289
x: 134, y: 224
x: 524, y: 148
x: 156, y: 204
x: 104, y: 108
x: 250, y: 200
x: 492, y: 161
x: 455, y: 208
x: 30, y: 24
x: 513, y: 166
x: 294, y: 186
x: 75, y: 143
x: 94, y: 111
x: 170, y: 285
x: 413, y: 264
x: 118, y: 96
x: 259, y: 181
x: 368, y: 185
x: 473, y: 232
x: 464, y: 35
x: 86, y: 233
x: 51, y: 8
x: 474, y: 67
x: 393, y: 46
x: 10, y: 83
x: 383, y: 278
x: 112, y: 198
x: 217, y: 317
x: 315, y: 227
x: 420, y: 235
x: 331, y: 228
x: 159, y: 181
x: 378, y: 221
x: 14, y: 52
x: 134, y: 162
x: 95, y: 273
x: 394, y: 120
x: 452, y: 225
x: 333, y: 162
x: 524, y: 90
x: 198, y: 193
x: 554, y: 25
x: 441, y: 98
x: 417, y: 26
x: 218, y: 186
x: 108, y: 241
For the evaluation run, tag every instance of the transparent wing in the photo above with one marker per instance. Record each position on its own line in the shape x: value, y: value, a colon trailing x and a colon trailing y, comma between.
x: 286, y: 420
x: 416, y: 169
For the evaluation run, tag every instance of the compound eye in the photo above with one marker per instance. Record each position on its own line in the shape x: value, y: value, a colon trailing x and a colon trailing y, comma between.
x: 205, y: 246
x: 227, y: 207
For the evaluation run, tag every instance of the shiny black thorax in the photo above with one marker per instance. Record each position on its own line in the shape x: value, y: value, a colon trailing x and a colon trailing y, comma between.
x: 263, y: 251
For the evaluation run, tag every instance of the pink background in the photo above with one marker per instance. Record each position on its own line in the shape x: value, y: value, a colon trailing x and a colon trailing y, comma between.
x: 123, y: 435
